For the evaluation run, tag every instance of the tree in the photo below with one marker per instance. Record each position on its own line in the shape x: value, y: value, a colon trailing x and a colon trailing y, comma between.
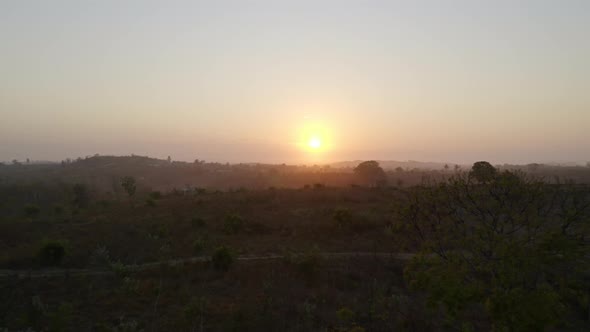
x: 371, y: 173
x: 129, y: 184
x: 513, y: 244
x: 81, y: 196
x: 483, y: 171
x: 51, y: 253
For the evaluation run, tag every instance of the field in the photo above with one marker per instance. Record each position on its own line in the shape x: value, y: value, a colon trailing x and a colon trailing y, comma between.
x: 77, y: 257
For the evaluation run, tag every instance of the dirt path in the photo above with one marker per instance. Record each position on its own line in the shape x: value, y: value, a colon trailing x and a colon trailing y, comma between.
x: 58, y: 272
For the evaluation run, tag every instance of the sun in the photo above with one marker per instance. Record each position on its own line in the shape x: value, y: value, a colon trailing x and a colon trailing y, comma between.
x: 314, y: 143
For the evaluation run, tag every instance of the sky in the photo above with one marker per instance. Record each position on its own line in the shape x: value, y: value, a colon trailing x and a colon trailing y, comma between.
x: 258, y: 81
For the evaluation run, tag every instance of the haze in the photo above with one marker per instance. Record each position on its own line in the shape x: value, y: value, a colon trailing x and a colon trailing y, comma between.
x: 240, y: 81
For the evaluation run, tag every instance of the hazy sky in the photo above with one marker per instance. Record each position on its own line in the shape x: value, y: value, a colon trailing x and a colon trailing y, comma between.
x: 459, y: 81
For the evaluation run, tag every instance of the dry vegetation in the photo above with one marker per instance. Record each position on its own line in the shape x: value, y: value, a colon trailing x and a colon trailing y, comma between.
x: 74, y: 217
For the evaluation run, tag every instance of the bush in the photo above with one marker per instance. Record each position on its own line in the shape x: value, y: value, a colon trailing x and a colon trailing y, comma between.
x: 222, y: 259
x: 150, y: 202
x: 155, y: 195
x: 32, y: 210
x: 342, y: 217
x: 51, y: 253
x: 308, y: 263
x: 199, y: 245
x: 198, y: 222
x: 233, y: 224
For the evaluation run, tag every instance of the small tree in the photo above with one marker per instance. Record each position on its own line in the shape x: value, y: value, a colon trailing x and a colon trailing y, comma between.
x: 371, y: 173
x: 222, y: 259
x: 483, y: 171
x: 51, y: 253
x: 81, y: 196
x: 129, y: 184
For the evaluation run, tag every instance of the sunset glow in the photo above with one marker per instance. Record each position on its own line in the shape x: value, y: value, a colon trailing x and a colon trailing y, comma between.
x: 314, y: 143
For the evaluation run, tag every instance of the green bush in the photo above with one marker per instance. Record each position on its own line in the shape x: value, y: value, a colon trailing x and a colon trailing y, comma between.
x: 199, y: 245
x: 233, y: 224
x: 222, y: 259
x: 51, y: 253
x: 342, y: 217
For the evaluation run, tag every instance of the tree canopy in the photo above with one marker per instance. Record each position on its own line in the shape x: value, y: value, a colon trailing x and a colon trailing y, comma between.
x: 513, y: 244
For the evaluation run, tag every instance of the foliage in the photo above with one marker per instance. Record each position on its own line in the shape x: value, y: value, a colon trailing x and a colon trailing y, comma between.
x: 199, y: 245
x: 155, y: 195
x: 31, y: 210
x: 233, y: 223
x: 371, y: 173
x: 150, y: 202
x: 342, y: 217
x: 81, y: 195
x: 222, y: 259
x: 483, y: 171
x: 198, y: 222
x: 51, y: 253
x: 514, y: 244
x: 129, y: 184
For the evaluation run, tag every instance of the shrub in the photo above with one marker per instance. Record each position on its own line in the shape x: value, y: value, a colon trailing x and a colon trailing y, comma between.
x: 308, y: 263
x: 58, y: 210
x: 342, y: 217
x: 100, y: 256
x: 233, y: 224
x: 51, y: 253
x: 199, y: 245
x: 31, y: 210
x: 81, y: 195
x: 345, y: 315
x: 222, y: 259
x: 198, y: 222
x: 155, y: 195
x: 150, y: 202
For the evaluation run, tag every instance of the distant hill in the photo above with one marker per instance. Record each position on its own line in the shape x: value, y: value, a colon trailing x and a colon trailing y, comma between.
x: 392, y: 164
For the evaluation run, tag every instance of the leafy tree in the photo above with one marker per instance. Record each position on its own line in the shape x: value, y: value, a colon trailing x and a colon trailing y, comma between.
x: 129, y: 184
x: 51, y: 253
x: 513, y: 244
x: 81, y: 196
x: 222, y: 259
x: 483, y: 171
x: 370, y: 172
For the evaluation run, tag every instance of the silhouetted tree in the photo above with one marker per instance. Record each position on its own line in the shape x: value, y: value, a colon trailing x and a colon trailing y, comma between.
x: 483, y: 171
x: 370, y: 172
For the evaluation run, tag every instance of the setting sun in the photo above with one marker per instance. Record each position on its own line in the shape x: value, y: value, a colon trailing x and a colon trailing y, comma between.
x: 314, y: 143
